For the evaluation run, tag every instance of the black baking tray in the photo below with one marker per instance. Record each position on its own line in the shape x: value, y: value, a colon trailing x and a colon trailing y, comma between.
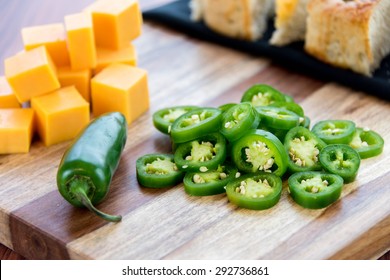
x: 177, y: 16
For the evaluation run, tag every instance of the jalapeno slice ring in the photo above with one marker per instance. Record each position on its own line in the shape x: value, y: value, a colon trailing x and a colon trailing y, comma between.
x: 279, y: 133
x: 158, y: 171
x: 335, y: 131
x: 262, y: 95
x: 279, y: 118
x: 238, y: 120
x: 288, y: 98
x: 306, y: 122
x: 290, y: 106
x: 226, y: 106
x: 340, y: 159
x: 209, y: 183
x: 314, y: 189
x: 260, y: 150
x: 303, y: 149
x: 202, y: 154
x: 255, y: 191
x: 195, y: 124
x: 163, y: 118
x: 367, y: 143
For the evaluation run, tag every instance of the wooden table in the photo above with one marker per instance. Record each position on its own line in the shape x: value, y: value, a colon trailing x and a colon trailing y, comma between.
x: 184, y: 70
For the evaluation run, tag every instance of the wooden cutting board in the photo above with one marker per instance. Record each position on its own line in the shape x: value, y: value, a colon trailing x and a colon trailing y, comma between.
x: 36, y: 222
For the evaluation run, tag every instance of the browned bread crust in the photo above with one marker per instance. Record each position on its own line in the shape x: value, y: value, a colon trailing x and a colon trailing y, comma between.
x: 351, y: 34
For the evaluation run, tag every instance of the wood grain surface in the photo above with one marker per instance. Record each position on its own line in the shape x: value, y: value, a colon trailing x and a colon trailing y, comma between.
x: 36, y: 222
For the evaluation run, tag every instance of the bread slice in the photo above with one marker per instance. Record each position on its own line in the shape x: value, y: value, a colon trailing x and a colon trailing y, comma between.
x: 352, y: 34
x: 290, y: 22
x: 242, y: 19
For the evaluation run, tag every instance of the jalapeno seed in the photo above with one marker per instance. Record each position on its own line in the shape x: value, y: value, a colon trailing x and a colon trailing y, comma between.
x: 304, y: 152
x: 254, y: 189
x: 260, y: 156
x: 314, y: 185
x: 203, y: 151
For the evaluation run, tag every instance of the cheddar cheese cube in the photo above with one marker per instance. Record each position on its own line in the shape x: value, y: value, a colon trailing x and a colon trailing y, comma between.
x: 81, y: 42
x: 7, y: 96
x: 78, y: 78
x: 105, y: 57
x: 116, y: 23
x: 120, y: 87
x: 31, y: 73
x: 53, y: 37
x: 16, y: 130
x: 60, y: 115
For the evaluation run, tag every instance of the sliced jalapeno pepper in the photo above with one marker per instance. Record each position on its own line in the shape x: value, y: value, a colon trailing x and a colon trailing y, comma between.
x: 315, y: 190
x: 280, y: 133
x: 226, y: 107
x: 290, y: 106
x: 335, y: 131
x: 367, y: 143
x: 262, y: 95
x: 158, y: 171
x: 238, y: 120
x: 163, y: 118
x: 88, y: 165
x: 202, y: 154
x: 260, y: 150
x: 279, y: 118
x: 288, y: 98
x: 195, y: 124
x: 303, y: 148
x: 209, y: 183
x: 306, y: 122
x: 340, y: 159
x: 255, y: 191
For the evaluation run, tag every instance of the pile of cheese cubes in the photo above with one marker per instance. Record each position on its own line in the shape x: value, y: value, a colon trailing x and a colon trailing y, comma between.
x: 66, y: 70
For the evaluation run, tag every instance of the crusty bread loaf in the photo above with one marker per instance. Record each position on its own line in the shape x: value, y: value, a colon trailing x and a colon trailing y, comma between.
x: 290, y: 22
x: 242, y: 19
x: 352, y: 34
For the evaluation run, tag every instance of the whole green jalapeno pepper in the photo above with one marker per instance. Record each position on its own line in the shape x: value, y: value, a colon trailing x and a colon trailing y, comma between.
x: 86, y: 169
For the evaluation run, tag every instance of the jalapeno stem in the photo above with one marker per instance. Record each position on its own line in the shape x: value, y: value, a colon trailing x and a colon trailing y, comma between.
x: 78, y: 190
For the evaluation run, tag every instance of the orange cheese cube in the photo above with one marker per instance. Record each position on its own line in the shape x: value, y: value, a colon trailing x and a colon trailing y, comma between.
x: 116, y: 23
x: 81, y: 42
x: 53, y: 37
x: 31, y: 73
x: 16, y: 130
x: 7, y: 96
x: 105, y: 57
x: 120, y: 87
x: 78, y: 78
x: 60, y: 115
